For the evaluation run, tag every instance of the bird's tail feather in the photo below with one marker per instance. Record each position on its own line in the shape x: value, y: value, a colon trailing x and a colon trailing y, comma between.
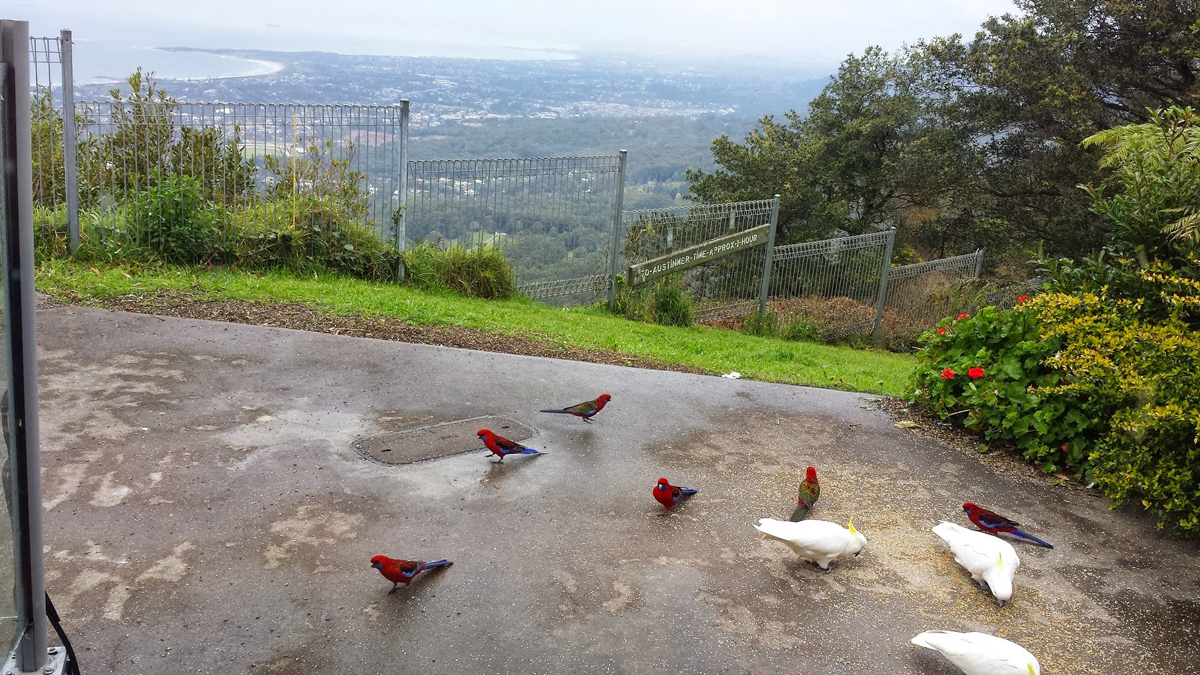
x: 563, y: 412
x: 1030, y: 537
x: 687, y: 491
x: 531, y: 451
x: 799, y: 514
x: 437, y: 563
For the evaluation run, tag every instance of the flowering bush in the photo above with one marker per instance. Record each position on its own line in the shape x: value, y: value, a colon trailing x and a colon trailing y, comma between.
x: 1079, y: 381
x: 1002, y: 353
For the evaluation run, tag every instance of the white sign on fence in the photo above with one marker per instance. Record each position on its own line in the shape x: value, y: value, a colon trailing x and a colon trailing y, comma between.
x: 698, y: 254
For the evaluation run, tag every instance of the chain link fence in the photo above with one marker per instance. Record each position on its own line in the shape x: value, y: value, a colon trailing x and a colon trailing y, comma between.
x: 552, y: 217
x: 729, y: 285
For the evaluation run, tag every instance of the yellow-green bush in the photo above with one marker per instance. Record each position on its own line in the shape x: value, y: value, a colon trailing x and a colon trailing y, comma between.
x: 1141, y: 382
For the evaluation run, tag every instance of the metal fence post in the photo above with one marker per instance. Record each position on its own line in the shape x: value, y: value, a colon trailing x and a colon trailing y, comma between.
x: 69, y: 137
x: 877, y: 331
x: 30, y: 591
x: 978, y: 262
x: 767, y: 259
x: 614, y: 245
x: 403, y: 204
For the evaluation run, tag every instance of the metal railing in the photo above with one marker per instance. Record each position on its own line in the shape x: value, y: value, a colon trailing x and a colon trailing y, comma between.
x: 53, y: 122
x: 553, y: 217
x: 728, y: 286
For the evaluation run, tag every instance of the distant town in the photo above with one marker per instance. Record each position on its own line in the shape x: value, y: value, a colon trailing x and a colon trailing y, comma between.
x: 472, y: 91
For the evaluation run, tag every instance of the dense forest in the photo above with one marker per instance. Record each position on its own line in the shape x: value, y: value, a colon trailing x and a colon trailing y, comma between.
x: 971, y: 142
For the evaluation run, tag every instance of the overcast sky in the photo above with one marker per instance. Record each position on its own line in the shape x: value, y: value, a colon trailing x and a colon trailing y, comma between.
x: 822, y: 29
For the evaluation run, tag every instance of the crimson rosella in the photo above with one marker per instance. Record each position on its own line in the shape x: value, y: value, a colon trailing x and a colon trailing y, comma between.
x: 403, y: 571
x: 810, y: 490
x: 992, y: 522
x: 502, y: 447
x: 669, y: 495
x: 585, y: 410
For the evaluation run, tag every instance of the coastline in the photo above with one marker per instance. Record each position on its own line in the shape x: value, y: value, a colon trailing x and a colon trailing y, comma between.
x: 244, y: 67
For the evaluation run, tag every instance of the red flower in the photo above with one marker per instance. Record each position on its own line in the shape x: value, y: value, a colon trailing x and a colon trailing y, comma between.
x: 1064, y: 447
x: 964, y: 315
x: 941, y: 331
x: 975, y: 373
x: 948, y: 374
x: 1022, y: 298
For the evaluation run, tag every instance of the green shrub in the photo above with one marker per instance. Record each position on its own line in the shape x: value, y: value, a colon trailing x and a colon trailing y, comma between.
x: 174, y: 221
x: 671, y: 304
x: 800, y: 329
x: 50, y: 238
x: 480, y: 272
x: 766, y: 325
x: 1079, y: 381
x: 306, y: 233
x: 664, y: 301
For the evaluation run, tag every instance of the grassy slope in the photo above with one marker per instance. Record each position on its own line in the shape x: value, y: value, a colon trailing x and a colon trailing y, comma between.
x: 707, y: 348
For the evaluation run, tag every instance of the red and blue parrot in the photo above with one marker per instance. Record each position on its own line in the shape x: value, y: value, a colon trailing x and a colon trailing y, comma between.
x: 993, y: 523
x: 669, y: 495
x: 501, y: 446
x: 585, y: 410
x: 403, y: 571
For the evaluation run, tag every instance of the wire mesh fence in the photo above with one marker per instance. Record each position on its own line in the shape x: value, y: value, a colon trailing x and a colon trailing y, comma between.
x: 828, y: 289
x: 921, y: 294
x: 729, y: 285
x: 552, y: 217
x: 246, y: 174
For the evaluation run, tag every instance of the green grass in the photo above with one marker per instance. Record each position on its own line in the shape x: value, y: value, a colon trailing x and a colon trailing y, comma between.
x: 710, y: 349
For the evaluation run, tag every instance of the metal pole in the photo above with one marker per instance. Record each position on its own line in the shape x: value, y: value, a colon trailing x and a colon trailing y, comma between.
x: 400, y: 224
x: 30, y: 653
x: 978, y: 262
x: 614, y: 245
x: 877, y: 331
x: 69, y: 137
x: 767, y: 260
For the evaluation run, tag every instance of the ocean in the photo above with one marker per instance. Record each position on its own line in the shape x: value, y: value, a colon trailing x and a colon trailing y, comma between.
x: 108, y: 62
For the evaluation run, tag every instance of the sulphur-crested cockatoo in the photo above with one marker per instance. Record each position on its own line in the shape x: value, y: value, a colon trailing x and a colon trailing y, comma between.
x: 818, y: 541
x: 980, y: 653
x: 989, y: 559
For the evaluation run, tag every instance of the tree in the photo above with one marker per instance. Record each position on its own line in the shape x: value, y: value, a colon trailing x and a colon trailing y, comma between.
x: 972, y: 144
x: 1041, y: 82
x: 878, y: 146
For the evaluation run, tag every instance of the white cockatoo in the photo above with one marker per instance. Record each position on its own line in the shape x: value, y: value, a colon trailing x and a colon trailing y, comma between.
x: 980, y: 653
x: 989, y: 559
x: 818, y: 541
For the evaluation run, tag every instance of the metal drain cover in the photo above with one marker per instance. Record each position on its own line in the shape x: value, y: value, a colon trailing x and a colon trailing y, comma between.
x: 438, y: 440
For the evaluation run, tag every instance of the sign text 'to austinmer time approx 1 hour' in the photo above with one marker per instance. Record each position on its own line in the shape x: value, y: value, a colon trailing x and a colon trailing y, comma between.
x: 698, y: 254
